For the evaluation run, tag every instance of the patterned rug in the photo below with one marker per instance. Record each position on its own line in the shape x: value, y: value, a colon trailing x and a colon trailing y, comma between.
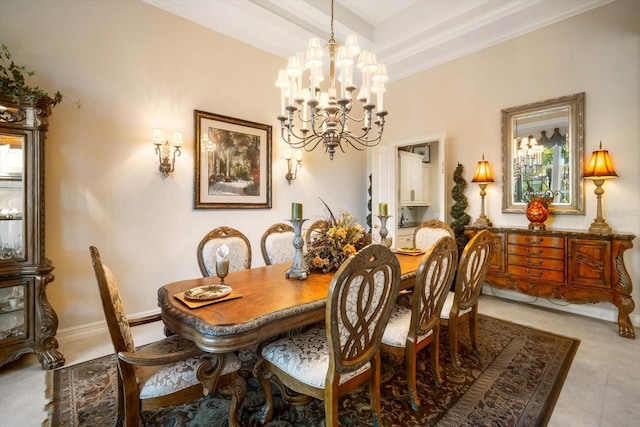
x: 515, y: 380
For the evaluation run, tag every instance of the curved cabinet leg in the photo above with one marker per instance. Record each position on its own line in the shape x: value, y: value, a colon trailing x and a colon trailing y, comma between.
x: 46, y: 344
x: 622, y: 298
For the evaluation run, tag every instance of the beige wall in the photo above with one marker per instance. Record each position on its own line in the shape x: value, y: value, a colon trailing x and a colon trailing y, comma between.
x: 134, y: 67
x: 597, y: 52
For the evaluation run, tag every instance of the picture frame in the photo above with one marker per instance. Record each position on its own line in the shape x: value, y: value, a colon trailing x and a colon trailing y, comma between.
x: 233, y: 163
x: 425, y: 151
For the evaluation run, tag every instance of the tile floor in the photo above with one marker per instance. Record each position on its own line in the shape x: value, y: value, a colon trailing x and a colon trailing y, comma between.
x: 602, y: 388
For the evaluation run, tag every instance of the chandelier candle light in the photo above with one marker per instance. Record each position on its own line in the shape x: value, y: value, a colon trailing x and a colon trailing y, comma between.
x: 325, y: 116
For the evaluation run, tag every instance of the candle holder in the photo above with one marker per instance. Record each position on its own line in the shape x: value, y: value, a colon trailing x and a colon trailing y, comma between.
x: 383, y: 230
x: 299, y: 269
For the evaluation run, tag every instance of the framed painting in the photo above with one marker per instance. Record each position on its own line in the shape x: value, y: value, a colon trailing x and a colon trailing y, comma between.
x: 233, y: 163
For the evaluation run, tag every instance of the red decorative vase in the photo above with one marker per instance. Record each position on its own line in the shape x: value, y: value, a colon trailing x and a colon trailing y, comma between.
x: 538, y: 212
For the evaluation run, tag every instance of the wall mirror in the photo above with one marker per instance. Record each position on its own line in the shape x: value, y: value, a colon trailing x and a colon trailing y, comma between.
x: 542, y: 151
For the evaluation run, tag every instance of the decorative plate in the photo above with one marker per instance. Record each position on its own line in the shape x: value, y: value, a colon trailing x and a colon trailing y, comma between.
x: 410, y: 251
x: 207, y: 292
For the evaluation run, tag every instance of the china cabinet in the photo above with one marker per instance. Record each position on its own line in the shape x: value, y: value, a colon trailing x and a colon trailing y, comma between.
x: 578, y: 267
x: 28, y: 323
x: 414, y: 180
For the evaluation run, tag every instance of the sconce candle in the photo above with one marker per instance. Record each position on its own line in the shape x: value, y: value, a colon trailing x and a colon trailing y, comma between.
x: 296, y: 210
x: 382, y: 209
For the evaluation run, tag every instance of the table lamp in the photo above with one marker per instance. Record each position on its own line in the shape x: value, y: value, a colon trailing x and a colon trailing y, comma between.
x: 600, y: 168
x: 483, y: 176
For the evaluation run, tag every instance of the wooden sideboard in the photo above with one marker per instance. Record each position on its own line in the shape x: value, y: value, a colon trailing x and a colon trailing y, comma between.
x: 578, y: 267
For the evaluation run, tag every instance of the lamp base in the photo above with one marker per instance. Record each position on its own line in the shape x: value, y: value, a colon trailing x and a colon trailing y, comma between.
x: 600, y: 225
x: 482, y: 222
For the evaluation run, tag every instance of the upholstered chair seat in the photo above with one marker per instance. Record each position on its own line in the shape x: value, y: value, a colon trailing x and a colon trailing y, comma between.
x: 397, y: 329
x: 306, y: 357
x: 155, y: 381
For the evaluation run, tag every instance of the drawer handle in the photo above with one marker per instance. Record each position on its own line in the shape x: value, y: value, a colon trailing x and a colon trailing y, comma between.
x: 534, y: 240
x: 533, y: 263
x: 534, y: 252
x: 534, y: 273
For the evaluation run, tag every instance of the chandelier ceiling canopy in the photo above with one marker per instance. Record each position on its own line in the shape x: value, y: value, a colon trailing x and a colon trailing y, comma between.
x: 310, y: 115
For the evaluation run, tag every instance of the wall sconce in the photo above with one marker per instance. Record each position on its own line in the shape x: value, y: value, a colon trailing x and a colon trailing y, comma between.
x: 483, y: 177
x: 163, y: 150
x: 292, y: 172
x: 600, y: 168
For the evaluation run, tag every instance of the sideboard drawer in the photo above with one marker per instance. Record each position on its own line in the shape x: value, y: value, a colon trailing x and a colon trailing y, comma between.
x: 536, y: 273
x: 536, y: 251
x: 532, y: 240
x: 536, y: 262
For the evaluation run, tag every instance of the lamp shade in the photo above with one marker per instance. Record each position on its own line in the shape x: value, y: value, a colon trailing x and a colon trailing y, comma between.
x: 483, y: 172
x: 600, y: 166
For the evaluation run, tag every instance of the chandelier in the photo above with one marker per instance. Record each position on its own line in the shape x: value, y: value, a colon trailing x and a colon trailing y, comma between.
x: 326, y: 116
x: 527, y: 156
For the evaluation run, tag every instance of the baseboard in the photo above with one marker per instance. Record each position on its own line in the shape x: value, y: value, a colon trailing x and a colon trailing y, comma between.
x: 93, y: 329
x: 607, y: 312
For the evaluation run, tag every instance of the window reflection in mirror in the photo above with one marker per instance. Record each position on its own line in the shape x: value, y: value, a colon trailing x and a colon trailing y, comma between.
x: 542, y: 152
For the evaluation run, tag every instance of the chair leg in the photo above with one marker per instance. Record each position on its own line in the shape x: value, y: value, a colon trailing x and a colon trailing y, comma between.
x: 374, y: 390
x: 238, y: 391
x: 434, y: 352
x: 453, y: 341
x: 263, y: 375
x: 120, y: 403
x: 473, y: 329
x: 132, y: 411
x: 331, y: 407
x: 410, y: 364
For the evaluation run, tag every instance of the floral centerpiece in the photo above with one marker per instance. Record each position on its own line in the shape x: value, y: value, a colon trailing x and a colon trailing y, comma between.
x: 343, y: 238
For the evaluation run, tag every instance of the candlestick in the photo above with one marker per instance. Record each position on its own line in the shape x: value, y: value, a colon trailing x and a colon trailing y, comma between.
x: 299, y: 269
x: 383, y: 230
x: 296, y: 210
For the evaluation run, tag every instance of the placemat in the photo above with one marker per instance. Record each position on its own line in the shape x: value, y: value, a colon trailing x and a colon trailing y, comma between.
x: 197, y: 304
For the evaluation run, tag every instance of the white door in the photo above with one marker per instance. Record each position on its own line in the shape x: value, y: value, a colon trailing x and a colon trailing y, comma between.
x: 383, y: 187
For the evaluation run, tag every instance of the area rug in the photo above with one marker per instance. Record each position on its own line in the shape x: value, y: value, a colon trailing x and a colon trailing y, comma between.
x: 513, y: 380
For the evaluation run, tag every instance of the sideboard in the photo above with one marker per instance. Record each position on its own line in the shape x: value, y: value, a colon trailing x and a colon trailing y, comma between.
x: 578, y: 267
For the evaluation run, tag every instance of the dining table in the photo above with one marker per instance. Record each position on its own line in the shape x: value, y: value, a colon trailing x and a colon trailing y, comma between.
x: 264, y: 303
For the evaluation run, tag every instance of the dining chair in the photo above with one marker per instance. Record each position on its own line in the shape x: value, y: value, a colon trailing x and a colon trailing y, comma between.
x: 328, y: 361
x: 411, y: 329
x: 276, y: 244
x: 316, y: 228
x: 239, y: 250
x: 162, y: 373
x: 462, y: 303
x: 428, y: 232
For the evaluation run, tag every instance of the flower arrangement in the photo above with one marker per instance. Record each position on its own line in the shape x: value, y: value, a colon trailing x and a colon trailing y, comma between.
x: 343, y: 238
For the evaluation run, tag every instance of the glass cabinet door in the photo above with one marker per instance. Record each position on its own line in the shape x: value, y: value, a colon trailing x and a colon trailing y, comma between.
x: 12, y: 312
x: 11, y: 196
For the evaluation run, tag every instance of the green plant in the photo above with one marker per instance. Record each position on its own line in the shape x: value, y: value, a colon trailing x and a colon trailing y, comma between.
x: 13, y: 83
x: 458, y: 210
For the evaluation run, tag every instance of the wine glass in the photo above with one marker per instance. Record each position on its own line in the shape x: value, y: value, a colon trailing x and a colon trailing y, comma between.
x: 222, y: 269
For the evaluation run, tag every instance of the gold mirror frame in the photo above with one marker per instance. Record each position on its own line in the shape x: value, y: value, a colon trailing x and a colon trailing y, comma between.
x: 559, y: 165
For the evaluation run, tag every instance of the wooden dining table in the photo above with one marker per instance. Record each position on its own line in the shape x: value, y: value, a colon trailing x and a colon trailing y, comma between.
x: 268, y: 305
